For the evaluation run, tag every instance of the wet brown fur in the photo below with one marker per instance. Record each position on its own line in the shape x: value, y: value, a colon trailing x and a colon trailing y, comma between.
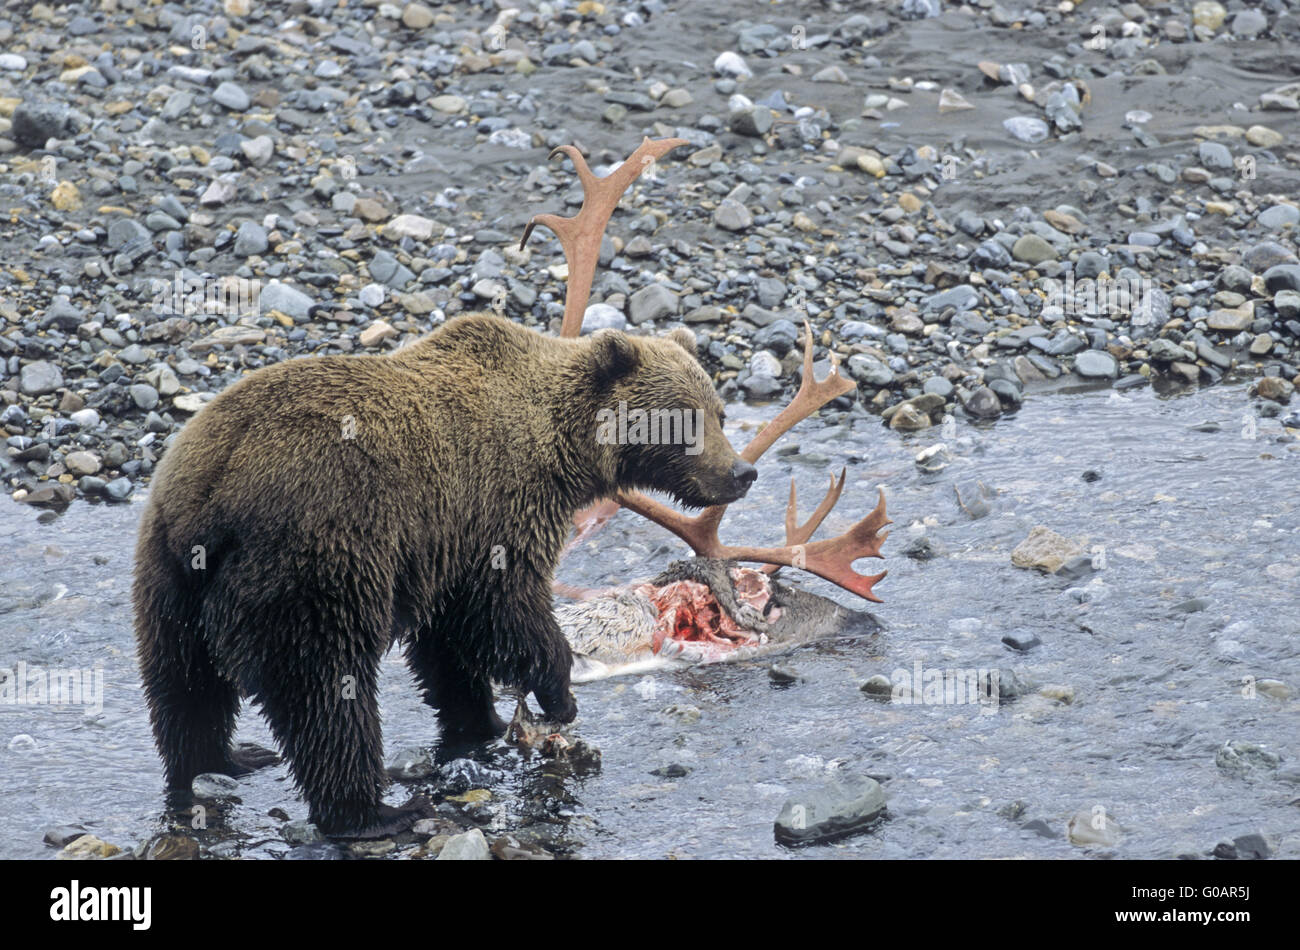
x: 323, y: 540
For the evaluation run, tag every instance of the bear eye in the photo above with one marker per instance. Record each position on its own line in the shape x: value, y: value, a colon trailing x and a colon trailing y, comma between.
x: 722, y: 418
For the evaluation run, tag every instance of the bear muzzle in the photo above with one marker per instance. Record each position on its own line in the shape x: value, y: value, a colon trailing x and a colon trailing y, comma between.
x: 739, y: 479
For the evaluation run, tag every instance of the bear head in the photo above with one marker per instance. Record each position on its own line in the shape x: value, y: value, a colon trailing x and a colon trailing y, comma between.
x: 660, y: 419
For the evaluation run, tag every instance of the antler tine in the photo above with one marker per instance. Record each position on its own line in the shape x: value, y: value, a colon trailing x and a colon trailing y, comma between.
x: 802, y: 534
x: 812, y: 395
x: 581, y: 234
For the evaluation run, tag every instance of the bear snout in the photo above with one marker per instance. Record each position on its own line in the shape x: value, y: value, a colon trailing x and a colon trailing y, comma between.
x: 737, y: 482
x: 743, y: 475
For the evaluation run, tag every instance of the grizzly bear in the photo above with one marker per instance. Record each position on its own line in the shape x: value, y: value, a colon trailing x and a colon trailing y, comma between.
x: 322, y: 509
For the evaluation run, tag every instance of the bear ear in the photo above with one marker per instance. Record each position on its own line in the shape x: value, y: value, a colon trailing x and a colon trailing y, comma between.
x: 685, y: 339
x: 613, y: 355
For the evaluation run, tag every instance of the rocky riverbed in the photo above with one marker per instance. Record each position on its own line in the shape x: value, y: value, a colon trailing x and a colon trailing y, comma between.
x: 966, y: 207
x: 973, y: 205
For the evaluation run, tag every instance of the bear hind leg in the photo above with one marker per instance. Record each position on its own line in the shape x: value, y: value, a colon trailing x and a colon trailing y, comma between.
x: 192, y: 707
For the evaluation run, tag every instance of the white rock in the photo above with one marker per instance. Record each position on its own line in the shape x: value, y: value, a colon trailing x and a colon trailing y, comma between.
x: 733, y: 65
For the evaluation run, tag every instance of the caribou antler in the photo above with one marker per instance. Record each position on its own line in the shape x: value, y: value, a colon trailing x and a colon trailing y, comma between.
x: 580, y: 235
x: 802, y: 534
x: 832, y: 559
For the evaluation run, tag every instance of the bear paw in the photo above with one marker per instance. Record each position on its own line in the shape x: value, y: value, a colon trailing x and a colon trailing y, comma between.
x: 390, y: 821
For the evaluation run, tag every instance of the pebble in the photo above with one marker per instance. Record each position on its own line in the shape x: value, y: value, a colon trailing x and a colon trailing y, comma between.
x: 1027, y: 129
x: 731, y: 215
x: 369, y: 254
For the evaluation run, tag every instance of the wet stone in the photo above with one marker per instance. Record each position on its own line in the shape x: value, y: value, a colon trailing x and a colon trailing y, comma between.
x: 983, y: 403
x: 831, y: 813
x: 1096, y: 363
x: 211, y: 786
x: 1044, y: 550
x: 1021, y: 641
x: 1245, y: 759
x: 469, y: 846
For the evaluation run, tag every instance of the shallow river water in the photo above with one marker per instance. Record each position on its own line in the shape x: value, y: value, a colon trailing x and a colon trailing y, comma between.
x: 1145, y: 668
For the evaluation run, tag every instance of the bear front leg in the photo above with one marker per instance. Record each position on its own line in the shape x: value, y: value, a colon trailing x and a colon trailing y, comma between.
x: 460, y: 693
x: 548, y: 674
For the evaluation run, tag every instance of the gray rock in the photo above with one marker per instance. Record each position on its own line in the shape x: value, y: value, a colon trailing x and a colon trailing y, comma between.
x: 832, y: 813
x: 1287, y: 304
x: 1033, y: 249
x: 39, y: 378
x: 144, y: 396
x: 1096, y: 364
x: 731, y: 215
x: 991, y: 254
x: 232, y: 97
x: 1282, y: 277
x: 62, y: 314
x: 36, y: 122
x: 1089, y: 264
x: 780, y: 337
x: 601, y: 316
x: 410, y: 765
x: 1266, y: 254
x: 1279, y: 216
x: 867, y: 369
x: 983, y: 403
x: 60, y: 836
x: 1215, y: 155
x: 250, y: 239
x: 1249, y: 23
x: 301, y: 832
x: 126, y: 231
x: 1166, y: 351
x: 1245, y: 759
x: 963, y: 297
x: 134, y: 355
x: 755, y: 121
x: 1008, y: 392
x: 970, y: 222
x: 770, y: 291
x: 938, y: 386
x: 119, y: 489
x: 760, y: 316
x: 764, y: 363
x: 760, y: 385
x: 732, y: 65
x: 652, y: 302
x: 177, y: 104
x: 1026, y: 128
x: 212, y: 786
x: 286, y: 299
